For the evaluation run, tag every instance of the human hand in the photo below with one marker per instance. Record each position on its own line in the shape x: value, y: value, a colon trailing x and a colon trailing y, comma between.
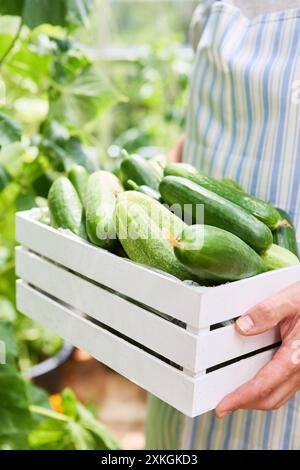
x: 279, y: 380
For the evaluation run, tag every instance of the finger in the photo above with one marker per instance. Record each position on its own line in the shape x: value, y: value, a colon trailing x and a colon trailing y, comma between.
x: 279, y: 397
x: 286, y: 399
x: 269, y: 313
x: 268, y: 379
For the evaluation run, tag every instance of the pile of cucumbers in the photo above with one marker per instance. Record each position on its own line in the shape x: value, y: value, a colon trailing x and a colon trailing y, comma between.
x: 132, y: 213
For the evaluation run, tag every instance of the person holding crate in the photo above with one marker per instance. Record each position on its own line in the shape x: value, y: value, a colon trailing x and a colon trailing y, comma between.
x: 243, y: 123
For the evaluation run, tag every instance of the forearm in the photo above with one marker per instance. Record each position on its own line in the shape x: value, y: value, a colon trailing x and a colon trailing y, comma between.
x: 176, y: 153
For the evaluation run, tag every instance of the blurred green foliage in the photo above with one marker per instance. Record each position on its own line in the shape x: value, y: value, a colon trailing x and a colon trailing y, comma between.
x: 156, y: 86
x: 30, y: 419
x: 54, y: 94
x: 51, y: 95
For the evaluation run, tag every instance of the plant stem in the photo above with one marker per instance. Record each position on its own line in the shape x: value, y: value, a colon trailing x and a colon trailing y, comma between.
x: 39, y: 410
x: 12, y: 45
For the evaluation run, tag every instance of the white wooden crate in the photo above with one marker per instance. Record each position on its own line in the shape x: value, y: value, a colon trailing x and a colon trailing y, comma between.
x: 155, y: 330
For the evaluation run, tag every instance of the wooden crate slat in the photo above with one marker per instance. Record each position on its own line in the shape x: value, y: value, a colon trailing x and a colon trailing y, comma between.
x: 212, y: 388
x: 234, y: 299
x: 145, y: 370
x: 192, y: 352
x: 224, y: 344
x: 157, y: 334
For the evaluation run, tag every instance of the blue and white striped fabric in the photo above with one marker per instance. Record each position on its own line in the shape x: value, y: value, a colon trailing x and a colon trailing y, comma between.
x: 243, y: 123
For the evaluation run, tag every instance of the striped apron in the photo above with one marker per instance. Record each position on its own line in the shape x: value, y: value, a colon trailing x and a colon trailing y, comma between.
x: 243, y: 123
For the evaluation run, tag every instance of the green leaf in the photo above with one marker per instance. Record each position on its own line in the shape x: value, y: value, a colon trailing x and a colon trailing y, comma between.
x: 7, y: 311
x: 69, y: 403
x: 77, y: 153
x: 103, y: 437
x: 52, y: 434
x: 55, y: 12
x: 11, y: 7
x: 10, y: 130
x: 36, y: 12
x: 43, y: 183
x: 75, y: 429
x: 15, y: 417
x: 5, y: 42
x: 57, y: 434
x: 63, y: 149
x: 25, y: 202
x: 37, y: 395
x: 7, y: 337
x: 2, y: 89
x: 83, y: 99
x: 28, y: 62
x: 11, y: 158
x: 5, y: 178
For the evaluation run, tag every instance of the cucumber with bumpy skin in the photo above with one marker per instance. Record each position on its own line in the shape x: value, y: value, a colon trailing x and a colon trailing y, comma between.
x: 286, y: 236
x: 143, y: 225
x: 262, y: 210
x: 277, y: 257
x: 232, y: 184
x: 65, y: 207
x: 102, y: 190
x: 159, y: 162
x: 219, y: 254
x: 79, y: 176
x: 144, y: 189
x: 139, y: 170
x: 218, y: 211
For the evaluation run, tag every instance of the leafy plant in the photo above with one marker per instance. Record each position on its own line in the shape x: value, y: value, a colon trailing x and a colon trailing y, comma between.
x: 10, y: 130
x: 72, y: 427
x: 51, y: 95
x: 157, y: 88
x: 30, y: 419
x: 15, y: 416
x: 57, y: 12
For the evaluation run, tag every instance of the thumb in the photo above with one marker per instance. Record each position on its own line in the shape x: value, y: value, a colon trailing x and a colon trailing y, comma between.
x: 267, y: 314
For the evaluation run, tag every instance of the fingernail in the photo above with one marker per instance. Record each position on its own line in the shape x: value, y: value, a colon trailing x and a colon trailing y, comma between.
x: 224, y: 414
x: 245, y: 323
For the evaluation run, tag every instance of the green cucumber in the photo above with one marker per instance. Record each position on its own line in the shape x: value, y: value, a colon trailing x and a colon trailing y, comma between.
x: 218, y: 211
x: 159, y: 163
x: 232, y: 184
x: 79, y: 176
x: 145, y: 190
x: 139, y: 170
x: 277, y: 257
x: 220, y: 254
x: 102, y: 190
x: 143, y: 225
x: 65, y: 208
x: 262, y: 210
x: 286, y: 236
x: 185, y: 170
